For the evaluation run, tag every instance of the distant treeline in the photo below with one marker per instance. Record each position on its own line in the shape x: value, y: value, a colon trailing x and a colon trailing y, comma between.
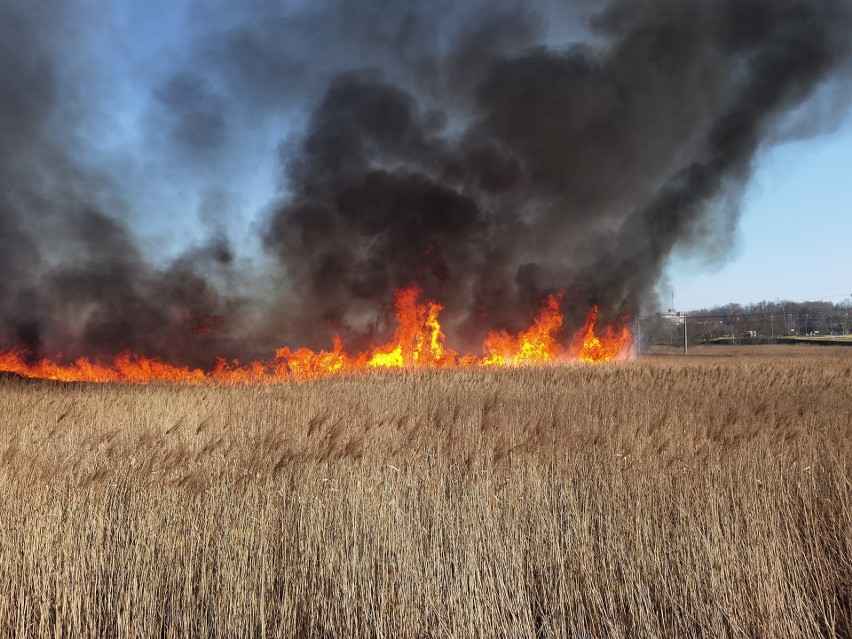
x: 763, y: 320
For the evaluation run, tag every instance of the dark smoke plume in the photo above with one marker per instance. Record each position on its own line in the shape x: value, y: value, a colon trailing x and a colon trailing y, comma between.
x: 492, y: 152
x: 578, y: 167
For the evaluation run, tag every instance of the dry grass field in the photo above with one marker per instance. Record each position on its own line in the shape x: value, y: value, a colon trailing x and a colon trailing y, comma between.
x: 701, y: 496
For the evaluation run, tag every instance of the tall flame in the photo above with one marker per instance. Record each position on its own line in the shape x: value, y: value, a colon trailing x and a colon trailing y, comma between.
x: 418, y: 342
x: 587, y: 346
x: 536, y: 345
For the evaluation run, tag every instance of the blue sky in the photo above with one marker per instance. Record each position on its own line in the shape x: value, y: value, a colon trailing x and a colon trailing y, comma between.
x: 794, y: 240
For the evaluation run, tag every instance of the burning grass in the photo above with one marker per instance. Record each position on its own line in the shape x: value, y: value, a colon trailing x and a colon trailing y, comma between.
x: 691, y: 497
x: 417, y: 343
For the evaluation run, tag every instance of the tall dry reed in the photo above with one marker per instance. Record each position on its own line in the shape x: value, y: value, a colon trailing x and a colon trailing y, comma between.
x: 669, y: 497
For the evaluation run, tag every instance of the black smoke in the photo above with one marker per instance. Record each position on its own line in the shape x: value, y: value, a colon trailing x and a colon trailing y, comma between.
x: 541, y: 167
x: 492, y: 152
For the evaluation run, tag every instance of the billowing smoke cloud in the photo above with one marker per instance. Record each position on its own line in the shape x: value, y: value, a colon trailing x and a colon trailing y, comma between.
x: 578, y: 167
x: 491, y: 152
x: 73, y: 278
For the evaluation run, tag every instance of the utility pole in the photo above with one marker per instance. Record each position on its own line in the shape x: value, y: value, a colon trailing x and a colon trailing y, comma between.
x: 684, y: 334
x: 638, y: 335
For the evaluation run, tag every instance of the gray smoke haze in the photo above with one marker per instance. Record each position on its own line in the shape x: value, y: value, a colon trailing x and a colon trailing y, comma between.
x: 492, y: 152
x: 73, y: 279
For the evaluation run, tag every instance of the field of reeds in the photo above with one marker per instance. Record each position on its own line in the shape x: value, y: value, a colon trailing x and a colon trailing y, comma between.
x: 701, y: 496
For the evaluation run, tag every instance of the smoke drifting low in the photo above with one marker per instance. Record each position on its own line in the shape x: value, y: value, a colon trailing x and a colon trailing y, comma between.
x: 492, y: 153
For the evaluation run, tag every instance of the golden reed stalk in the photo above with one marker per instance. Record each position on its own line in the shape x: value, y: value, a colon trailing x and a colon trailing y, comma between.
x: 668, y: 497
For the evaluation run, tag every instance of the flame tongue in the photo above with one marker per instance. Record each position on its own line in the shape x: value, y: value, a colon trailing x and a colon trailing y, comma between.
x: 588, y: 347
x: 536, y: 345
x: 418, y: 342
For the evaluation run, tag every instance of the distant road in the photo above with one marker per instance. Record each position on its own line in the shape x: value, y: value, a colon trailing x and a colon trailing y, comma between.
x: 821, y: 339
x: 843, y: 340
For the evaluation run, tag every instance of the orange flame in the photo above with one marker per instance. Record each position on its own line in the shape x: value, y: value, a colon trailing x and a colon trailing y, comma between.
x: 536, y: 345
x: 418, y: 342
x: 587, y: 346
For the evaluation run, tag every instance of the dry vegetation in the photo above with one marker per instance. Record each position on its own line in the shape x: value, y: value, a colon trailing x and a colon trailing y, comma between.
x: 670, y: 497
